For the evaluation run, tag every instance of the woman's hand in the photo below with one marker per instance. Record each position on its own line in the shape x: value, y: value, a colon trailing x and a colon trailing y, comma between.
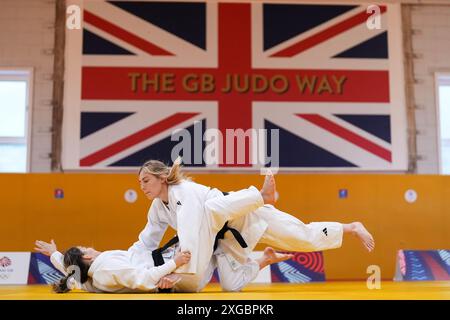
x: 45, y: 248
x: 168, y: 281
x: 182, y: 258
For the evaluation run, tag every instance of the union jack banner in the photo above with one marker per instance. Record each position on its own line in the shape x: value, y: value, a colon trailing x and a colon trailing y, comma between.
x: 326, y: 78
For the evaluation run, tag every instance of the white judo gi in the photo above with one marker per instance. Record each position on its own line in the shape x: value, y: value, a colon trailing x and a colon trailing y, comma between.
x: 119, y: 271
x: 233, y: 276
x: 198, y: 212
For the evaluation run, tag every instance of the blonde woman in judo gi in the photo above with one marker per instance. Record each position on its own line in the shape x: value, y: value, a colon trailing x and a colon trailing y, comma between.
x: 119, y: 271
x: 198, y: 213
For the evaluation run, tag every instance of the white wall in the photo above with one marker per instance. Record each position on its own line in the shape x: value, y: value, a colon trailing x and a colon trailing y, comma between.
x: 431, y: 45
x: 26, y: 33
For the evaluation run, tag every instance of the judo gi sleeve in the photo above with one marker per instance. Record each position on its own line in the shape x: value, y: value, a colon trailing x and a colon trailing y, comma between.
x: 140, y: 278
x: 151, y: 236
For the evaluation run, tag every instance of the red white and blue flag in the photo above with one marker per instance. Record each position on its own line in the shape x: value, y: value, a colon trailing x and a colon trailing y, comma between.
x: 332, y: 86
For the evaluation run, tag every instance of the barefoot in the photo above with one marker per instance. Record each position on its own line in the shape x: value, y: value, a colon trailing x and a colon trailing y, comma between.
x: 268, y: 189
x: 270, y: 256
x: 361, y: 232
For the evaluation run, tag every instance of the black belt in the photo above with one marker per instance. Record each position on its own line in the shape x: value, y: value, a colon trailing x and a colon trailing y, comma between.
x: 159, y: 260
x: 221, y: 234
x: 237, y: 235
x: 157, y: 254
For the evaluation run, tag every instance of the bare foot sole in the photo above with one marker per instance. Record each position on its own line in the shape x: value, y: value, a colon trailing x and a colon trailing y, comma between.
x: 366, y: 238
x: 268, y: 189
x: 271, y: 256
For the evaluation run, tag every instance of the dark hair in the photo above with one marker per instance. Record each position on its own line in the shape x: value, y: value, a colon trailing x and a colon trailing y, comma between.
x: 72, y: 257
x: 61, y: 285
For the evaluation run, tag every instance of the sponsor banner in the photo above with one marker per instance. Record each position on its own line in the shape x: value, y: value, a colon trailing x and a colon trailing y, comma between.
x: 423, y: 265
x: 18, y: 268
x: 304, y: 267
x: 14, y: 267
x: 42, y: 270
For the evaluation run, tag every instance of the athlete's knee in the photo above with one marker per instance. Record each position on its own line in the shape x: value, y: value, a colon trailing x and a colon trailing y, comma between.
x: 231, y: 287
x: 217, y: 212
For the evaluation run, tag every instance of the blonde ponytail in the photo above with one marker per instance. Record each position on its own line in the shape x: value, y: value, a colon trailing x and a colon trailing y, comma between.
x: 173, y: 175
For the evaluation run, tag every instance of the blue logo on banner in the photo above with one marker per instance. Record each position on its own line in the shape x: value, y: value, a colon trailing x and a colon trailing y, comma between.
x: 343, y: 193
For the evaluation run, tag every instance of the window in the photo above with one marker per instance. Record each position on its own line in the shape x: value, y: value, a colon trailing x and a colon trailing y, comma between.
x: 443, y: 103
x: 15, y: 93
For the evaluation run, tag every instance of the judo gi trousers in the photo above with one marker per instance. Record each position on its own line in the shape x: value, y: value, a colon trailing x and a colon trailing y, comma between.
x: 273, y: 227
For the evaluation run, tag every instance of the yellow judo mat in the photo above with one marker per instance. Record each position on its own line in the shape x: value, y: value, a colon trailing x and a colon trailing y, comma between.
x: 330, y: 290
